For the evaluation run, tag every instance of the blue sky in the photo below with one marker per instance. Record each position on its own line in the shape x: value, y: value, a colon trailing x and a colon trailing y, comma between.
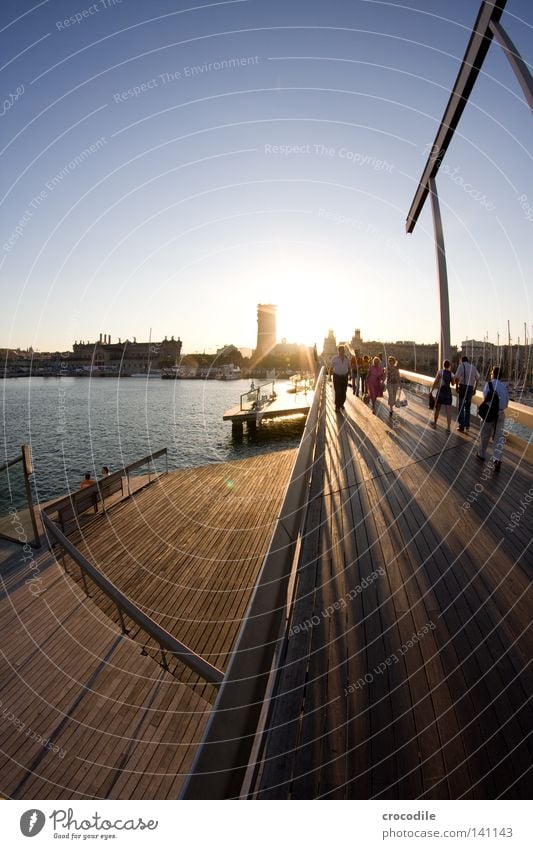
x: 169, y: 165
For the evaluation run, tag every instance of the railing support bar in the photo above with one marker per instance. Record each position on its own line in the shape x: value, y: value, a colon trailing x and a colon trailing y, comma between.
x: 122, y: 621
x: 85, y: 587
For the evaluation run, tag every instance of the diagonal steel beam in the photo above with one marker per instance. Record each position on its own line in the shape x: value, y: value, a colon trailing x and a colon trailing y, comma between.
x: 517, y: 63
x: 480, y: 40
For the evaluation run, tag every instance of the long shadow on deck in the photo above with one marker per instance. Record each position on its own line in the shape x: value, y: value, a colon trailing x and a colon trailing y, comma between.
x: 406, y: 672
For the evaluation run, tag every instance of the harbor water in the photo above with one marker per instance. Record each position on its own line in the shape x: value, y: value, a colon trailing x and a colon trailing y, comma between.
x: 75, y: 425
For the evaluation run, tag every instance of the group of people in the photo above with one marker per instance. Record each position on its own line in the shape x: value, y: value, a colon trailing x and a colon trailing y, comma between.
x: 466, y: 380
x: 370, y: 377
x: 88, y: 479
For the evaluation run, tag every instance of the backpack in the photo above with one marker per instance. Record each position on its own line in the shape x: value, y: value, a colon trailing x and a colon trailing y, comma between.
x: 490, y: 407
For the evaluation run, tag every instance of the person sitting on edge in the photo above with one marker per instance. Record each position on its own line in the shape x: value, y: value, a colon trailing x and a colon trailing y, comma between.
x: 87, y: 481
x: 340, y: 367
x: 466, y: 380
x: 497, y: 426
x: 105, y: 471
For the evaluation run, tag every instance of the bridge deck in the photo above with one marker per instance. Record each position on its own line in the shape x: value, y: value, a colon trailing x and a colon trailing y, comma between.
x: 187, y: 549
x: 406, y: 668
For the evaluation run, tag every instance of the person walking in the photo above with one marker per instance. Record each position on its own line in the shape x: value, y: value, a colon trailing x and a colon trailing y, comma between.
x: 496, y: 427
x: 466, y: 381
x: 393, y: 382
x: 354, y: 368
x: 374, y: 382
x: 364, y: 365
x: 340, y: 367
x: 443, y: 380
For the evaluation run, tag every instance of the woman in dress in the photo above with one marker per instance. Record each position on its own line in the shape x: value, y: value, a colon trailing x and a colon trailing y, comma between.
x: 374, y: 382
x: 443, y: 380
x: 393, y: 382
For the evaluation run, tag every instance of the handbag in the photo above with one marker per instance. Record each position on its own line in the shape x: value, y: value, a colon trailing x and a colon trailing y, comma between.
x: 401, y: 400
x: 431, y: 401
x: 490, y: 407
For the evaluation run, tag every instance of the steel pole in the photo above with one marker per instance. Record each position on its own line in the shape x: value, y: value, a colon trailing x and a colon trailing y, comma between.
x: 442, y: 273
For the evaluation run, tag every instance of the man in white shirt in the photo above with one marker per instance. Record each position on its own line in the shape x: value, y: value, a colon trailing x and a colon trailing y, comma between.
x: 466, y: 380
x: 497, y: 426
x: 340, y: 367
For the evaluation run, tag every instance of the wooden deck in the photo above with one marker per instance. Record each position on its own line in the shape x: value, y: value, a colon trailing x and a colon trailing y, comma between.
x: 406, y: 669
x: 111, y: 723
x: 187, y: 549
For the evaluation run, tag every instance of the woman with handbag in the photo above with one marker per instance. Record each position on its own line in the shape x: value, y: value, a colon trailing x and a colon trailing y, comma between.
x: 443, y: 380
x: 374, y: 382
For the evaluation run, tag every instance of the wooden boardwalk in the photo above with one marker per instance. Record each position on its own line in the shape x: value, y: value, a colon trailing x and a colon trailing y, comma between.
x: 84, y: 713
x: 188, y: 549
x: 406, y: 667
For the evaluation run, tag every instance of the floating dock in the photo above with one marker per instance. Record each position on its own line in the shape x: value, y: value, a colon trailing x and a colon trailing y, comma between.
x: 268, y: 401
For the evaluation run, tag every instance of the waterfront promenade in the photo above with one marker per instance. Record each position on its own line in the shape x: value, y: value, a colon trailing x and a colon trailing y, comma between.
x: 403, y: 669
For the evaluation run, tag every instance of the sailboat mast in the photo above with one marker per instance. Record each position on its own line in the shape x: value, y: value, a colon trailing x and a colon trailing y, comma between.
x: 509, y: 349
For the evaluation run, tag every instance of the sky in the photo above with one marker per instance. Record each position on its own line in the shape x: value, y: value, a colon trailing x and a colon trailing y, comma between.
x: 167, y: 166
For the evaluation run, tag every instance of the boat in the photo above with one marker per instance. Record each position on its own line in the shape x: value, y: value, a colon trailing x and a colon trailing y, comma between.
x: 230, y: 372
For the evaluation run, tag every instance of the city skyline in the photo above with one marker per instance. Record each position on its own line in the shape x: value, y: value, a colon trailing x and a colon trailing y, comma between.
x: 173, y: 170
x: 501, y: 341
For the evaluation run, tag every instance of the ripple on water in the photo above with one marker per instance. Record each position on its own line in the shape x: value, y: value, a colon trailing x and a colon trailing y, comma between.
x: 76, y: 425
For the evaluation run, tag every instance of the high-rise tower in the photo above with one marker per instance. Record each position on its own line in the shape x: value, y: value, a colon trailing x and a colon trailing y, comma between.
x: 266, y: 329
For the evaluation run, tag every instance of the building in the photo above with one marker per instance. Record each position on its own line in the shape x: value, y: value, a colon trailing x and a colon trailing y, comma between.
x: 125, y: 357
x: 413, y: 356
x: 266, y: 330
x: 329, y: 349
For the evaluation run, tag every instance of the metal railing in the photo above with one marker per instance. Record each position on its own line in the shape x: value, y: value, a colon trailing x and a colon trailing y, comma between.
x: 222, y: 759
x: 256, y: 397
x: 75, y: 503
x: 125, y: 607
x: 302, y: 382
x: 520, y: 413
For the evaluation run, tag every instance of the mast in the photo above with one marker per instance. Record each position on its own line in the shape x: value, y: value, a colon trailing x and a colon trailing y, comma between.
x: 509, y: 349
x: 526, y: 359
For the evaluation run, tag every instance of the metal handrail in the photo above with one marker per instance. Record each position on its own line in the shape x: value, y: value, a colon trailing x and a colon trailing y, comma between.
x: 257, y: 391
x: 521, y: 412
x: 125, y: 606
x: 222, y: 757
